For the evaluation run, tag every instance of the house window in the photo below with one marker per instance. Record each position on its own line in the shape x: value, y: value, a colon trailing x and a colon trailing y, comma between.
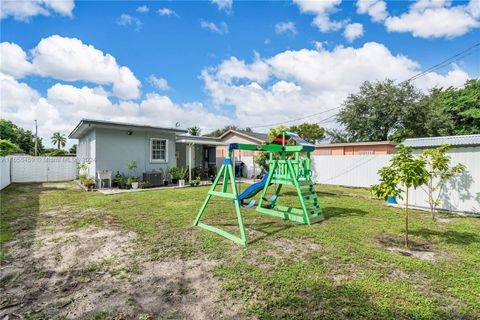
x: 158, y: 150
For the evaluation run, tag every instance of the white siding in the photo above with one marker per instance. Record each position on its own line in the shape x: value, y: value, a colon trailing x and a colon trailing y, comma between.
x: 351, y: 171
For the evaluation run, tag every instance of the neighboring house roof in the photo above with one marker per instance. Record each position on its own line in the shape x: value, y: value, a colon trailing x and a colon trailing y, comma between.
x: 86, y: 124
x: 465, y: 140
x: 352, y: 144
x: 200, y: 140
x: 260, y: 137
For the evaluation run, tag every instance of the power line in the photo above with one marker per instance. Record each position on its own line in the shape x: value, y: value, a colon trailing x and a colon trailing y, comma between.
x: 423, y: 73
x: 441, y: 64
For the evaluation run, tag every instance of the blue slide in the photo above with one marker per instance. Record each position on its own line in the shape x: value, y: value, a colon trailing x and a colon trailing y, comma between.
x: 253, y: 190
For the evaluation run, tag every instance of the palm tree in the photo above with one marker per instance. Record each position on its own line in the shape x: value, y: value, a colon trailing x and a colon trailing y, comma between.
x: 59, y: 139
x: 194, y: 131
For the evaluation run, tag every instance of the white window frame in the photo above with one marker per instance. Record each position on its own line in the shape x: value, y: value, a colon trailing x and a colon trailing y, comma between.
x: 166, y: 151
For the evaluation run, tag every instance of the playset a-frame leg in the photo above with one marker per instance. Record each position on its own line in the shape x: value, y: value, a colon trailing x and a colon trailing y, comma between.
x: 227, y: 172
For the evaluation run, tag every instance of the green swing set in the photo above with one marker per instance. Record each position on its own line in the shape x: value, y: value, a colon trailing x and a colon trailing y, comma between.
x: 287, y: 167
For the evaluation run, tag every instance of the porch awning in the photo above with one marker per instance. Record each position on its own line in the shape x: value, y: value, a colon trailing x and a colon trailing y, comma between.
x: 200, y: 140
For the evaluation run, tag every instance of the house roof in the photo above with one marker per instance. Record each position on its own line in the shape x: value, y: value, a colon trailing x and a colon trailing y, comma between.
x: 86, y: 124
x: 347, y: 144
x: 465, y: 140
x: 260, y: 137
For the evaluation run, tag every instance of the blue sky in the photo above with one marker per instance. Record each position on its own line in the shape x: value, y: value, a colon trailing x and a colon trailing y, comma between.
x: 191, y: 57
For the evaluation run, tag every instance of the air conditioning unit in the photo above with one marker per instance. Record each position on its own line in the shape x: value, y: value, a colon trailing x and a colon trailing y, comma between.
x: 153, y: 178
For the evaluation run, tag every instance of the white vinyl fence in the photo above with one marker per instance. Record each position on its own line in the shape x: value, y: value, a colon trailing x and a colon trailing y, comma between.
x: 461, y: 194
x: 4, y: 172
x: 37, y: 169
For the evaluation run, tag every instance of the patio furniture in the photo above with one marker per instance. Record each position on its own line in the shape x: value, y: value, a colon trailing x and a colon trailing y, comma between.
x: 104, y: 175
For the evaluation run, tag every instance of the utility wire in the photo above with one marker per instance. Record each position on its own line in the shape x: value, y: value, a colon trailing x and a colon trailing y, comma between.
x: 470, y: 50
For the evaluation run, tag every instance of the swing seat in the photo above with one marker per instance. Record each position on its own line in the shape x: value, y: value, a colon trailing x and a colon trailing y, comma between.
x: 272, y: 199
x: 247, y: 206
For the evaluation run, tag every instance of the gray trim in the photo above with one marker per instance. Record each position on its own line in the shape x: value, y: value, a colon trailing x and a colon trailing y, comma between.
x: 86, y: 124
x: 464, y: 140
x: 347, y: 144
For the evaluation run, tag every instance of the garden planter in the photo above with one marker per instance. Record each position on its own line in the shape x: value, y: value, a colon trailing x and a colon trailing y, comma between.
x: 165, y: 182
x: 174, y: 181
x: 134, y: 185
x: 181, y: 183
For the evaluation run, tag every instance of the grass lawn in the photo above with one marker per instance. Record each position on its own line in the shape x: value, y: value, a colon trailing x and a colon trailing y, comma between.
x: 349, y: 266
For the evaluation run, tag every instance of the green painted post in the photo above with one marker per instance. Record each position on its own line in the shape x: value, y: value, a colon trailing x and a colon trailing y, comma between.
x: 299, y: 193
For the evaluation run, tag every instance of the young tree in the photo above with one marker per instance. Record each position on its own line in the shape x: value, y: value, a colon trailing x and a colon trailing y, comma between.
x: 73, y: 149
x: 311, y: 132
x: 405, y: 171
x: 439, y: 172
x: 59, y: 139
x: 194, y: 131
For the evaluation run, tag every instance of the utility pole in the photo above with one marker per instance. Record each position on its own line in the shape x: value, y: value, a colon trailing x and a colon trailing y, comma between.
x: 36, y: 138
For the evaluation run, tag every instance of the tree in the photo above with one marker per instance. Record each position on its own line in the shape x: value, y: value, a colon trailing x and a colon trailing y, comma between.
x: 439, y: 171
x: 379, y: 109
x: 22, y: 138
x: 219, y: 132
x: 57, y: 153
x: 311, y: 132
x: 336, y: 135
x: 9, y: 131
x: 7, y: 147
x: 461, y: 106
x: 405, y: 171
x: 59, y: 139
x: 73, y: 149
x: 194, y: 131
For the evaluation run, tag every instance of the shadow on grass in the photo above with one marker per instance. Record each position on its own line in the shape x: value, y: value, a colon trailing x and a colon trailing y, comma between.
x: 336, y: 212
x: 449, y: 236
x: 346, y: 301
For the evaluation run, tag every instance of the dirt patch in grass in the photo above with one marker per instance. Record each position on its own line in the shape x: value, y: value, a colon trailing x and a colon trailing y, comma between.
x: 87, y: 272
x: 417, y: 248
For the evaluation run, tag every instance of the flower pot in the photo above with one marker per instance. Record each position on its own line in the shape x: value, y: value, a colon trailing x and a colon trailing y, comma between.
x: 181, y: 183
x: 174, y: 181
x: 134, y: 185
x: 165, y: 182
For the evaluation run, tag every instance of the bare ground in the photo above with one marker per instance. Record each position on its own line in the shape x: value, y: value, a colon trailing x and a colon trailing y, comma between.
x: 60, y: 271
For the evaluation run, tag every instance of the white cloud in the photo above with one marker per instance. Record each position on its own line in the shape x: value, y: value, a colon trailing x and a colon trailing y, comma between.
x: 435, y: 19
x: 305, y: 81
x: 353, y: 31
x: 285, y: 27
x: 70, y: 59
x: 64, y: 105
x: 321, y: 10
x: 143, y: 9
x: 24, y: 10
x: 127, y: 20
x: 224, y: 4
x: 377, y: 9
x: 159, y: 83
x: 221, y: 28
x: 14, y: 60
x: 233, y: 68
x: 167, y: 12
x: 426, y: 18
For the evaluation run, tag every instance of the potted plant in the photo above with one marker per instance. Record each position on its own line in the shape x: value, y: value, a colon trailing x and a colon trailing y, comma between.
x: 132, y: 179
x: 117, y: 179
x: 166, y: 175
x: 134, y: 183
x: 175, y: 174
x: 89, y: 183
x: 197, y: 181
x: 182, y: 175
